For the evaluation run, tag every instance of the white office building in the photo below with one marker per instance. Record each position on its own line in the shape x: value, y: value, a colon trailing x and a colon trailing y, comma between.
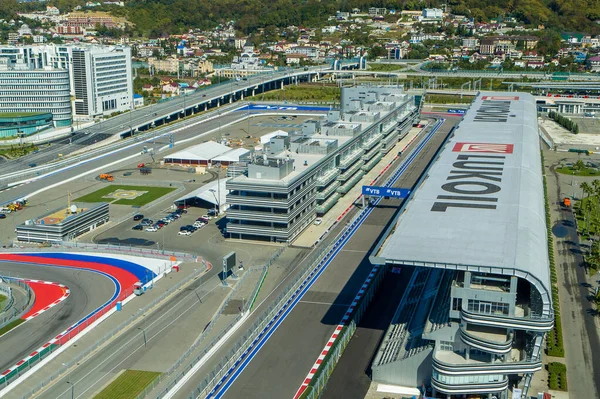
x: 281, y: 189
x: 100, y: 76
x: 102, y: 80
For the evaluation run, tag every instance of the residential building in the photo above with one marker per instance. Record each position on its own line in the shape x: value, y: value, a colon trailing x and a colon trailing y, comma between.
x: 470, y: 42
x: 478, y: 298
x: 594, y: 63
x: 377, y: 11
x: 26, y: 91
x: 299, y: 175
x: 432, y: 13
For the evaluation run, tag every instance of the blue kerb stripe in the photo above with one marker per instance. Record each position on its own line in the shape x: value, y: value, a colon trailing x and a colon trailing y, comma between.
x: 143, y: 274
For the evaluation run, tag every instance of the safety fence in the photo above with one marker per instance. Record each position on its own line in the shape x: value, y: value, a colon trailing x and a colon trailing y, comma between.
x: 6, y: 291
x: 169, y: 377
x: 255, y: 331
x: 74, y: 330
x: 105, y: 248
x: 319, y: 381
x: 12, y: 313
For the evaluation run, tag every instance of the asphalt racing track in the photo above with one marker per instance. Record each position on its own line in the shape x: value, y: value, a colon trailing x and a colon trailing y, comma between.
x: 95, y: 284
x: 278, y: 370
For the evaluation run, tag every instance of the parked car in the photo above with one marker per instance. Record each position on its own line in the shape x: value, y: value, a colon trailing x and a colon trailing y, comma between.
x: 318, y: 221
x: 147, y: 222
x: 137, y: 227
x: 198, y: 224
x: 2, y: 216
x: 138, y: 217
x: 164, y: 221
x: 206, y: 217
x: 184, y: 233
x: 152, y: 229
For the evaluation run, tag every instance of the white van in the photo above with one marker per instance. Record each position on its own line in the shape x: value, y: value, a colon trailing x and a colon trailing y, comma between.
x: 5, y: 210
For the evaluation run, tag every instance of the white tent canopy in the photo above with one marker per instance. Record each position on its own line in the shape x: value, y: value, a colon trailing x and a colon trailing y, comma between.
x: 214, y: 193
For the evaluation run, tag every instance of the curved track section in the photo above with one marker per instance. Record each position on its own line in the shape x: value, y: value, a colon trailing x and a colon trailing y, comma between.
x: 96, y: 283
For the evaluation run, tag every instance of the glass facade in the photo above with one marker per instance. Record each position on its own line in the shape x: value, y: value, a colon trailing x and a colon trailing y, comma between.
x: 36, y: 92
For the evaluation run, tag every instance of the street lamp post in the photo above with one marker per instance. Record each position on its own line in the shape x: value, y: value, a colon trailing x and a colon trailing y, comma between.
x: 70, y: 382
x: 144, y: 328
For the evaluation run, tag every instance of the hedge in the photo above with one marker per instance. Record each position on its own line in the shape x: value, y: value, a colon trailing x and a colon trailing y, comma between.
x: 554, y: 339
x: 557, y: 376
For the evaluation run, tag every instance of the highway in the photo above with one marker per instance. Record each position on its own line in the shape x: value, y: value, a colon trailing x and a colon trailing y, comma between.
x: 89, y: 291
x: 128, y: 153
x: 155, y: 115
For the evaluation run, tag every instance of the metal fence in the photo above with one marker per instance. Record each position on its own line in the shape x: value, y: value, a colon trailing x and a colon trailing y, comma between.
x: 104, y: 248
x: 13, y: 313
x: 169, y: 377
x: 319, y: 381
x: 124, y: 326
x: 252, y: 333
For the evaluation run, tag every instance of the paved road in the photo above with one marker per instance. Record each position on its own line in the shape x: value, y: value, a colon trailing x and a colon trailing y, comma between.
x: 291, y: 351
x: 163, y: 328
x: 88, y: 291
x: 352, y: 377
x: 141, y: 118
x: 579, y: 320
x: 132, y: 149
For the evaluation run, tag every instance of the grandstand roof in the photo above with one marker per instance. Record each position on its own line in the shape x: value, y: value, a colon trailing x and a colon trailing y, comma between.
x: 481, y: 206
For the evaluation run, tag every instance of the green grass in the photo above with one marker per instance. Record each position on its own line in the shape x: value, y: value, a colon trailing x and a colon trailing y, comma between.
x: 18, y: 114
x: 384, y: 67
x: 448, y: 99
x: 578, y: 172
x: 301, y: 93
x: 2, y: 300
x: 16, y: 151
x: 557, y: 376
x: 10, y: 326
x: 152, y: 194
x: 128, y: 385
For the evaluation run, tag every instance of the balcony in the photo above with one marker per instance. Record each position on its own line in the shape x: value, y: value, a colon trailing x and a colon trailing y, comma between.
x: 518, y: 323
x: 327, y: 205
x: 328, y: 177
x: 486, y: 339
x: 346, y: 162
x: 369, y: 154
x: 350, y: 172
x: 465, y: 389
x: 256, y: 200
x: 371, y: 141
x: 452, y: 364
x: 322, y: 195
x: 369, y: 165
x: 351, y: 182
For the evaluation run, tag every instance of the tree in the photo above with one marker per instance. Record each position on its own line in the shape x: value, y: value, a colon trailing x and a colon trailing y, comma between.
x: 587, y: 192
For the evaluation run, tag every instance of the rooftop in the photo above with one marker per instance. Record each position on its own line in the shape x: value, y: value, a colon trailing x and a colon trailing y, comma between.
x: 481, y: 206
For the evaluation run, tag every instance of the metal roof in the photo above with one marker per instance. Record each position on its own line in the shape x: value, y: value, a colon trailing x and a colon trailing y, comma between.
x: 200, y: 152
x: 481, y: 205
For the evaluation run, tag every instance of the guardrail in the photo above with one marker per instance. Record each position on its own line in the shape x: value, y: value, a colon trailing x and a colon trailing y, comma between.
x: 15, y: 313
x: 92, y: 348
x: 319, y: 381
x: 174, y: 379
x: 6, y: 291
x: 68, y: 160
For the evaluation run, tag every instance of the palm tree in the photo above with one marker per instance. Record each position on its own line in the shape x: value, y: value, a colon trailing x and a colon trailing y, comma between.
x: 586, y: 205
